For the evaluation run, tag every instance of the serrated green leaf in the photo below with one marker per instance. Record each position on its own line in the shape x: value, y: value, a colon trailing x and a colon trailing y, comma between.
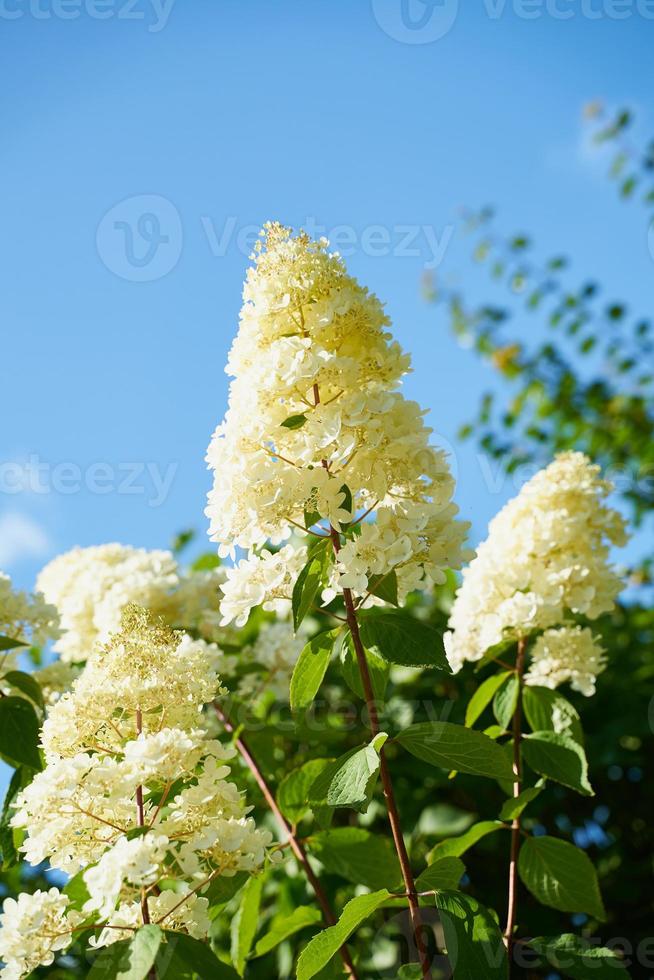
x: 222, y: 890
x: 310, y: 669
x: 506, y: 701
x: 285, y: 926
x: 349, y: 781
x: 10, y: 855
x: 326, y: 944
x: 475, y: 947
x: 576, y: 957
x: 451, y: 746
x: 293, y: 791
x: 560, y: 875
x: 244, y: 924
x: 378, y: 669
x: 548, y: 710
x: 384, y: 587
x: 130, y: 959
x: 442, y: 875
x: 19, y: 732
x: 182, y: 957
x: 558, y: 757
x: 307, y: 585
x: 456, y: 846
x: 401, y: 639
x: 483, y: 696
x: 358, y: 856
x: 513, y: 808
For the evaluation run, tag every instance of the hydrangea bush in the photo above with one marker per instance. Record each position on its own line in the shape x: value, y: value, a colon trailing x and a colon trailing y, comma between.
x: 147, y: 758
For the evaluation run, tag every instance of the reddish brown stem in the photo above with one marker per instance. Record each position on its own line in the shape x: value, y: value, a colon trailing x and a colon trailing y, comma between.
x: 140, y: 816
x: 295, y: 844
x: 387, y: 784
x: 515, y: 825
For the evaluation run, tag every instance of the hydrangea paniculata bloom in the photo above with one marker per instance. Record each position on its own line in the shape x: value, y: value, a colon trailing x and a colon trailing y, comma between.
x: 91, y: 586
x: 27, y: 618
x: 546, y: 559
x: 125, y: 750
x: 316, y: 426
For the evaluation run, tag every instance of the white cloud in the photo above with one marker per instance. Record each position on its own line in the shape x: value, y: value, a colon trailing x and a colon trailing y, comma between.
x: 21, y: 537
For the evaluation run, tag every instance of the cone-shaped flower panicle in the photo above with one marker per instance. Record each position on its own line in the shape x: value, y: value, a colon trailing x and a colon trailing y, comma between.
x: 317, y: 431
x: 545, y: 560
x: 125, y: 750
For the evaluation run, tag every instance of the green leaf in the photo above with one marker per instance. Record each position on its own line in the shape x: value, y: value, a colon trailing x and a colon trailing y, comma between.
x: 384, y: 587
x: 10, y: 855
x: 310, y: 669
x: 326, y: 944
x: 559, y: 758
x: 401, y: 639
x: 558, y: 874
x: 206, y: 562
x: 378, y: 669
x: 9, y: 643
x: 284, y: 926
x: 307, y: 585
x: 293, y: 791
x: 294, y: 421
x: 473, y: 940
x: 181, y: 957
x: 244, y: 923
x: 456, y: 846
x: 455, y: 747
x: 548, y: 710
x: 513, y: 808
x: 27, y: 684
x: 130, y: 959
x: 576, y: 957
x: 222, y: 890
x: 76, y: 890
x: 483, y: 696
x: 19, y: 732
x: 349, y: 781
x: 442, y: 875
x: 347, y: 503
x: 358, y: 856
x: 506, y: 701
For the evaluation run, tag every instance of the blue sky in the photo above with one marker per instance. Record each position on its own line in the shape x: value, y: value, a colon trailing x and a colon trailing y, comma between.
x: 139, y: 149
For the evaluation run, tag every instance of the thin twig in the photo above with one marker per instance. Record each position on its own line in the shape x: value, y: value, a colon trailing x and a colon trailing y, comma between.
x: 515, y: 825
x: 387, y: 784
x: 296, y: 846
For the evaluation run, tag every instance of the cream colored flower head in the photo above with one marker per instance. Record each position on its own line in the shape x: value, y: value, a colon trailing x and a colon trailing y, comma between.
x: 546, y: 559
x: 27, y: 618
x: 134, y: 792
x: 316, y: 426
x: 91, y: 586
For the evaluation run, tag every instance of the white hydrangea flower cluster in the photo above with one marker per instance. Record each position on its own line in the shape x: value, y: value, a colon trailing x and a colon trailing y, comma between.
x: 24, y: 617
x: 91, y: 586
x: 34, y: 928
x: 315, y: 417
x: 125, y: 750
x: 264, y: 579
x: 546, y: 557
x: 570, y: 653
